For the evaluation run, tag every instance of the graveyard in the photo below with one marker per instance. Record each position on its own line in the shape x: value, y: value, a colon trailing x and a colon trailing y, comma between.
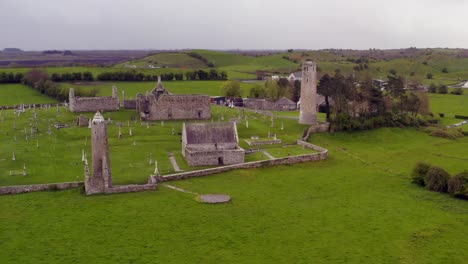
x: 350, y: 197
x: 36, y: 136
x: 298, y: 209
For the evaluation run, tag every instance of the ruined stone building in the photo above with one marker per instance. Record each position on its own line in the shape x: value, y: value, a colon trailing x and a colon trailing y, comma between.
x: 211, y: 144
x: 101, y: 180
x: 93, y: 104
x: 283, y: 104
x: 308, y: 101
x: 160, y: 104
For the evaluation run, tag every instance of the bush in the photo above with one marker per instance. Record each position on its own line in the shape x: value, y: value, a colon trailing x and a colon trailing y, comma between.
x: 457, y: 91
x: 442, y: 89
x: 436, y: 179
x: 458, y: 185
x: 461, y: 117
x: 419, y: 173
x: 432, y: 88
x: 446, y: 133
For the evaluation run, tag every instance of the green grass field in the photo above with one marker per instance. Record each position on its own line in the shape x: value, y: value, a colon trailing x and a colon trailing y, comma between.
x: 240, y: 66
x: 358, y: 206
x: 15, y: 94
x: 212, y: 88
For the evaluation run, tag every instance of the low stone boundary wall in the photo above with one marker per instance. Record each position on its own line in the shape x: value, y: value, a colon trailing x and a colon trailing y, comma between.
x: 323, y: 154
x: 131, y: 188
x: 39, y: 187
x: 262, y: 142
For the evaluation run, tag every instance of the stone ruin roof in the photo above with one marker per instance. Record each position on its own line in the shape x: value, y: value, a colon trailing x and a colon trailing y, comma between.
x: 159, y: 89
x: 206, y: 133
x: 285, y: 100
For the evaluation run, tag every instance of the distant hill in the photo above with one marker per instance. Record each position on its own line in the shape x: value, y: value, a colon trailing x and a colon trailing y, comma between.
x: 11, y: 50
x: 446, y: 65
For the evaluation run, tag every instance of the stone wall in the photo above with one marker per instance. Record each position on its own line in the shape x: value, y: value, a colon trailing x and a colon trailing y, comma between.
x: 174, y: 107
x: 131, y: 188
x: 130, y: 104
x: 322, y: 155
x: 262, y: 142
x: 93, y: 104
x: 39, y: 187
x: 214, y: 157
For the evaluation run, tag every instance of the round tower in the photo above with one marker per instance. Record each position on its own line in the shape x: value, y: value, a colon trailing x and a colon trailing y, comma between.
x: 101, y: 163
x: 308, y: 111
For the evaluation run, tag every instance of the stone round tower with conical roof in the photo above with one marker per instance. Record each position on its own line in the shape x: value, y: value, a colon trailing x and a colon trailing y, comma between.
x: 101, y: 179
x: 308, y: 111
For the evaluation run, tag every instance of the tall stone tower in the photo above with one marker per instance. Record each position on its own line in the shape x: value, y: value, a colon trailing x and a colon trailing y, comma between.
x: 101, y: 180
x: 308, y: 113
x: 71, y: 99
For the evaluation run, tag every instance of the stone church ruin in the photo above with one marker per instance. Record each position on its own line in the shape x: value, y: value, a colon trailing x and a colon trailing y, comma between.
x: 93, y: 104
x: 160, y: 104
x: 211, y: 144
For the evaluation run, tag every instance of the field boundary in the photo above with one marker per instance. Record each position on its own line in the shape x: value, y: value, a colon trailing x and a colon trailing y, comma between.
x: 322, y: 155
x: 152, y: 185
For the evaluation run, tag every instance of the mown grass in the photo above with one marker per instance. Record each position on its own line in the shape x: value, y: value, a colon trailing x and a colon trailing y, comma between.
x: 358, y: 206
x: 212, y: 88
x: 15, y: 94
x: 339, y: 210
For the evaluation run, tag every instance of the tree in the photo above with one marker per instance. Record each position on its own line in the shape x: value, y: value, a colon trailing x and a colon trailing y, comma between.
x: 429, y: 75
x: 272, y: 90
x: 393, y: 72
x: 442, y: 89
x: 457, y: 91
x: 295, y: 90
x: 432, y: 88
x: 396, y: 86
x: 324, y: 88
x: 445, y: 70
x: 231, y: 89
x: 257, y: 92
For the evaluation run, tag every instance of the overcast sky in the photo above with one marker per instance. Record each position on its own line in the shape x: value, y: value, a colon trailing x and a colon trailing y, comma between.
x: 232, y: 24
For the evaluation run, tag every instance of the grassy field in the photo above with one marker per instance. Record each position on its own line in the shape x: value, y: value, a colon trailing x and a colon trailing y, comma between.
x: 212, y: 88
x: 65, y: 146
x: 15, y: 94
x: 244, y: 67
x: 339, y: 210
x: 358, y: 206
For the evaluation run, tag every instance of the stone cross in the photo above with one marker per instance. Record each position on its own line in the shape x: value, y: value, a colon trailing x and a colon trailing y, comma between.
x: 282, y: 125
x: 151, y: 161
x: 25, y: 172
x: 14, y: 157
x: 130, y: 132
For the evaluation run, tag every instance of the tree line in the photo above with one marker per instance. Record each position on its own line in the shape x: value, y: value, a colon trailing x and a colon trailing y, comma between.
x: 132, y: 75
x: 138, y: 76
x: 11, y: 77
x: 41, y: 81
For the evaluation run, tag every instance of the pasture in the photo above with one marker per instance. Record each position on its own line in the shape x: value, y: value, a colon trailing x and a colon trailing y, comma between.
x: 15, y: 94
x: 358, y: 206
